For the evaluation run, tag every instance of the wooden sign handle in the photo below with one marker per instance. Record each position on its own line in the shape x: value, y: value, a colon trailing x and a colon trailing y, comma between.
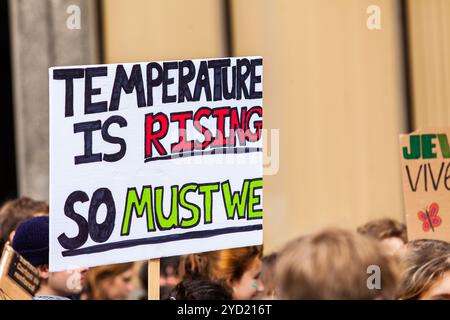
x: 153, y: 279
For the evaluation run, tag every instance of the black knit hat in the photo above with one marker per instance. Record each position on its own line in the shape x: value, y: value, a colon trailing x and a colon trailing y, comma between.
x: 31, y: 240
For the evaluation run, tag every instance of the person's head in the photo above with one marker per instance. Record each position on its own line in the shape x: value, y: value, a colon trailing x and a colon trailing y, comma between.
x: 168, y: 279
x: 391, y: 233
x: 426, y: 274
x: 31, y: 241
x: 199, y: 289
x: 425, y: 249
x: 169, y: 271
x: 335, y: 264
x: 268, y: 276
x: 237, y: 269
x: 111, y: 282
x: 13, y: 212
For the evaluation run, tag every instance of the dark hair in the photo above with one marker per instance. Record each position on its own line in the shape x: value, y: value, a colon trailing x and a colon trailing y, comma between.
x: 13, y: 212
x: 425, y: 248
x: 143, y: 277
x: 384, y: 228
x: 199, y: 290
x: 424, y: 262
x: 169, y: 266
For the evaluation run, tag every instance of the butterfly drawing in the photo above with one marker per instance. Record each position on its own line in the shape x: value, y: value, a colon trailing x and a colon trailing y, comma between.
x: 430, y: 217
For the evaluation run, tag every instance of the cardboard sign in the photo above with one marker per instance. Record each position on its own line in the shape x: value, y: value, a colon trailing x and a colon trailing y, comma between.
x: 154, y: 159
x: 19, y: 280
x: 425, y: 158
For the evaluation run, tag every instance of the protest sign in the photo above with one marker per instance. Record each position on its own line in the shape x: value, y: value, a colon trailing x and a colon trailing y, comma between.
x: 19, y: 280
x: 425, y: 158
x: 154, y: 159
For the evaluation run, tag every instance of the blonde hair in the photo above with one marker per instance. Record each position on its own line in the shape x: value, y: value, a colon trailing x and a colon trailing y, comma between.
x: 224, y: 266
x: 333, y: 264
x: 93, y: 291
x: 424, y: 262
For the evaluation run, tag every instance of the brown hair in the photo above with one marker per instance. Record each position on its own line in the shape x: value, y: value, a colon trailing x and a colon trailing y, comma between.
x: 95, y: 275
x: 333, y: 264
x: 268, y: 276
x: 13, y: 212
x: 224, y: 266
x: 384, y: 228
x: 424, y: 262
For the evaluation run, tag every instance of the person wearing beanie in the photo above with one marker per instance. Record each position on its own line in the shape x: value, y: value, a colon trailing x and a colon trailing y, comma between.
x: 31, y: 241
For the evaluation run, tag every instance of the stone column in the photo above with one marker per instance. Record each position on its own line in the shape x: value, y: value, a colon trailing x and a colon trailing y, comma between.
x: 41, y: 38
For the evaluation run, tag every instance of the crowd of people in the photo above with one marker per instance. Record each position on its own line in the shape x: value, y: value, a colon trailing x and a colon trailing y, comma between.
x: 373, y: 262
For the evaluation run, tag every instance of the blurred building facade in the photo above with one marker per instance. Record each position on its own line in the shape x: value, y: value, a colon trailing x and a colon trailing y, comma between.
x: 339, y: 93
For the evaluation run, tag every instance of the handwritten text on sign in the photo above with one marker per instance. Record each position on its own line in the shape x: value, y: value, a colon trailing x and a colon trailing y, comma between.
x: 426, y: 183
x: 154, y: 159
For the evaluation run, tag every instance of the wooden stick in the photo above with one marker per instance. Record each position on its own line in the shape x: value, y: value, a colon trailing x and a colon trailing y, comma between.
x: 153, y: 279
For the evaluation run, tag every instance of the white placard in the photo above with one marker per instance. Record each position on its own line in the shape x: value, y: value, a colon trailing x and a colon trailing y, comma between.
x: 154, y: 159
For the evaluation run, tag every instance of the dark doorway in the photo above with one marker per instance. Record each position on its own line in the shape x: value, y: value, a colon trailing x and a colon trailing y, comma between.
x: 8, y: 179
